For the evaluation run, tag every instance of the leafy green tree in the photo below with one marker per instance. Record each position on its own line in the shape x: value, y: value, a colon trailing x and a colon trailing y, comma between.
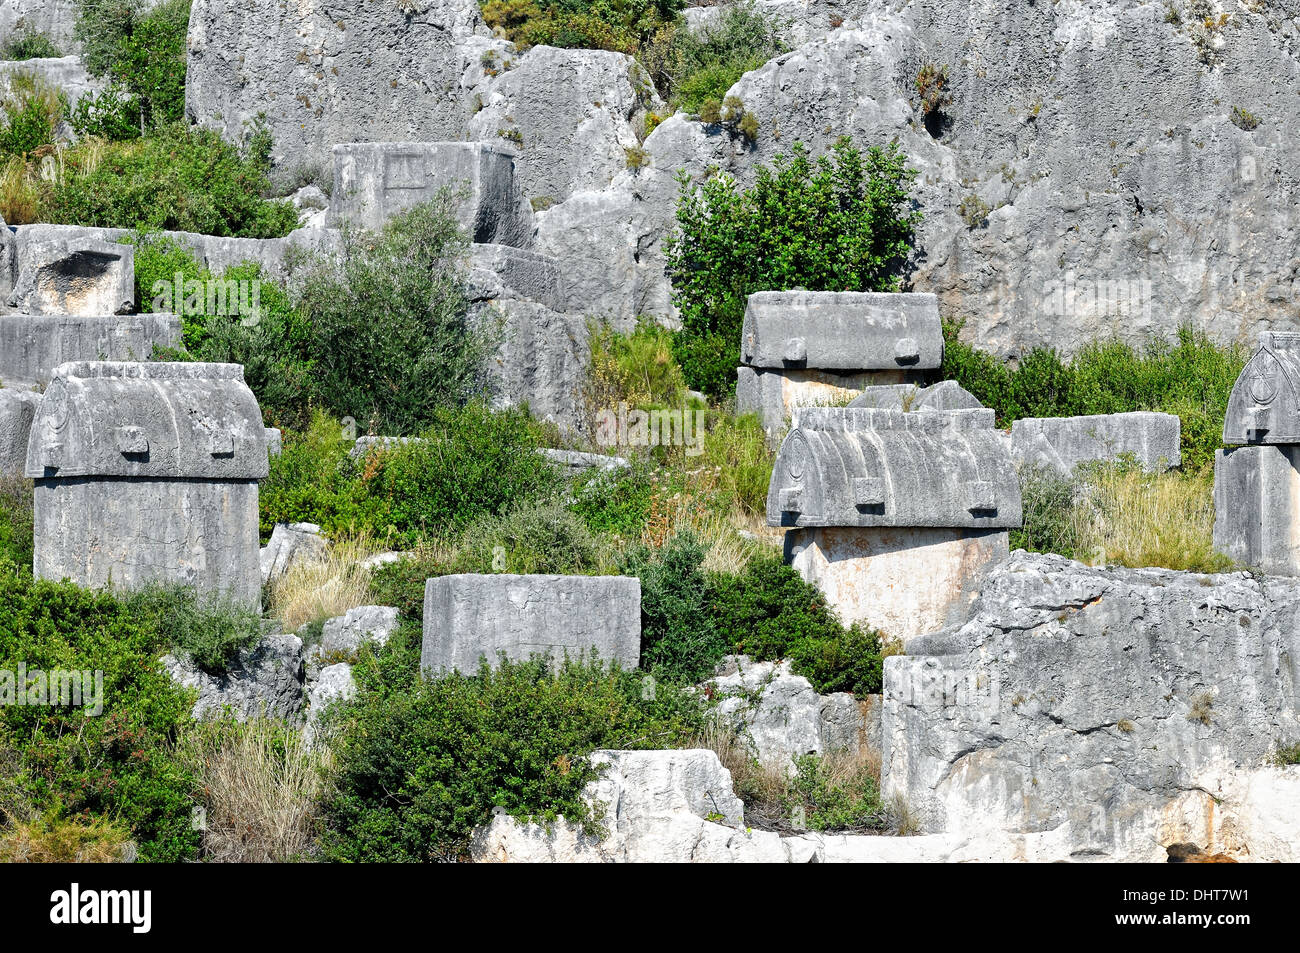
x: 142, y: 50
x: 837, y: 222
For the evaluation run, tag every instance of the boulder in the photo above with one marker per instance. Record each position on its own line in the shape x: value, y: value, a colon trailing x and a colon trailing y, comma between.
x: 468, y: 617
x: 1100, y: 713
x: 290, y: 544
x: 345, y: 634
x: 265, y: 681
x: 334, y: 683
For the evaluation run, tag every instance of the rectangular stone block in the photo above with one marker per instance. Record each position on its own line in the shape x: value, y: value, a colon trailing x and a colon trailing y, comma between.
x: 1063, y: 443
x: 469, y: 617
x: 1257, y: 507
x: 33, y: 345
x: 74, y: 275
x: 842, y: 331
x: 17, y: 409
x: 373, y: 181
x: 904, y: 581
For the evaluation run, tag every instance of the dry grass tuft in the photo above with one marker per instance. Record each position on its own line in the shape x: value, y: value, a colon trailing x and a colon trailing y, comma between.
x: 54, y: 841
x: 321, y: 589
x: 262, y: 786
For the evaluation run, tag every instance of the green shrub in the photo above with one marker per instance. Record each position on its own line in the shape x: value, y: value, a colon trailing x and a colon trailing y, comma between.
x: 180, y: 178
x: 830, y: 803
x: 422, y: 763
x: 680, y: 640
x: 211, y: 633
x: 143, y: 51
x: 16, y: 521
x: 624, y: 26
x: 1048, y: 503
x: 121, y: 764
x: 531, y: 538
x: 112, y: 114
x: 692, y: 67
x: 32, y: 111
x: 619, y: 504
x: 1189, y: 376
x: 771, y: 613
x: 26, y: 43
x: 839, y: 222
x: 401, y: 584
x: 391, y: 337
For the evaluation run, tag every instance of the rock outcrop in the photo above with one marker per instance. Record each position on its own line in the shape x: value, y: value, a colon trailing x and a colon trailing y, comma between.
x: 1102, y: 713
x: 265, y: 681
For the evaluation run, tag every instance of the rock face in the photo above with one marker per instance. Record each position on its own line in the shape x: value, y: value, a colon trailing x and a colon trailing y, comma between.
x: 1101, y: 714
x: 148, y: 473
x: 375, y: 181
x: 1062, y: 443
x: 470, y: 616
x: 325, y: 73
x: 266, y: 681
x: 782, y: 717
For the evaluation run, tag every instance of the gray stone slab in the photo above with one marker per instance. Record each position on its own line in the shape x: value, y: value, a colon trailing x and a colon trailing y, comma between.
x: 74, y: 274
x: 33, y: 345
x: 1264, y: 407
x: 469, y: 617
x: 842, y: 331
x: 1062, y: 443
x: 1257, y: 507
x: 945, y: 395
x: 17, y: 410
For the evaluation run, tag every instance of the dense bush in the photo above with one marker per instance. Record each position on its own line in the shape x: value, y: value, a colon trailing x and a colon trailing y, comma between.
x: 180, y: 178
x: 1190, y: 376
x: 210, y: 632
x: 25, y: 43
x: 142, y: 51
x: 620, y: 25
x: 694, y: 68
x: 391, y: 337
x: 120, y: 765
x: 421, y: 763
x: 837, y: 222
x: 531, y: 538
x: 690, y: 618
x: 1048, y: 503
x: 474, y: 462
x: 32, y: 111
x: 16, y: 541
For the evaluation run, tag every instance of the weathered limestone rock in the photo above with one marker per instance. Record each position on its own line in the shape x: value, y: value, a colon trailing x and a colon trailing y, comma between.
x: 499, y: 271
x: 290, y: 543
x: 59, y: 72
x: 52, y: 18
x: 803, y: 348
x: 274, y: 442
x: 1180, y: 686
x: 1257, y: 507
x: 781, y: 716
x: 344, y: 635
x: 573, y: 114
x: 266, y: 681
x: 33, y: 345
x: 324, y: 73
x: 469, y: 617
x: 1062, y: 443
x: 1264, y: 407
x: 17, y: 410
x: 373, y: 181
x: 335, y: 683
x: 148, y: 472
x: 80, y: 277
x: 895, y: 516
x: 541, y: 361
x: 945, y: 395
x: 576, y: 462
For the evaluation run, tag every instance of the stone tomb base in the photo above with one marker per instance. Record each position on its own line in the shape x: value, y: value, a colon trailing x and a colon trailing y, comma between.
x: 775, y: 395
x: 906, y: 582
x: 129, y: 532
x: 1257, y: 507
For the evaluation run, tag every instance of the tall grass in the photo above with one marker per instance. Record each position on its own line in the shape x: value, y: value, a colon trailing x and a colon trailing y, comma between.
x: 320, y: 589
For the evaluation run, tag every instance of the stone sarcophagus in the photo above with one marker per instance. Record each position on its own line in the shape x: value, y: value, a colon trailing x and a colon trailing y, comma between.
x: 804, y: 348
x: 895, y: 516
x: 1257, y: 478
x: 148, y: 473
x: 1264, y: 407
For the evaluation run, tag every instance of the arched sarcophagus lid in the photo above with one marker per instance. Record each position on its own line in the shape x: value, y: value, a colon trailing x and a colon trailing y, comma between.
x: 868, y: 467
x: 1264, y: 407
x: 153, y: 421
x: 841, y: 331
